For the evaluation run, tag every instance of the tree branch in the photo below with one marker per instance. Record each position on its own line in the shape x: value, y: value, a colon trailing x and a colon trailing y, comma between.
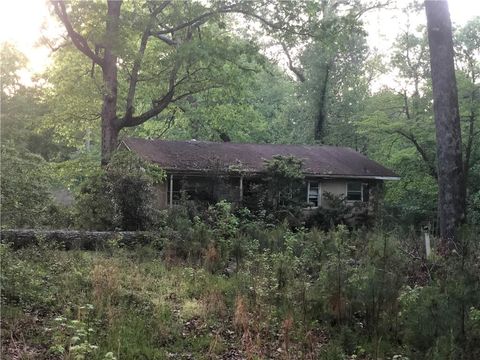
x: 134, y: 74
x: 374, y: 6
x: 165, y: 39
x: 138, y: 59
x: 179, y: 97
x: 295, y: 70
x: 198, y: 20
x: 426, y: 159
x: 78, y: 40
x: 160, y: 8
x: 158, y: 105
x: 270, y: 24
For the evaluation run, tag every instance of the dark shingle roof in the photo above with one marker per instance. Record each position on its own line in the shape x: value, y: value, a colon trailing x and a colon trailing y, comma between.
x: 330, y: 161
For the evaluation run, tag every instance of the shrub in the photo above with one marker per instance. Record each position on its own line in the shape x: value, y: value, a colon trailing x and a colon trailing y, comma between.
x: 473, y: 208
x: 24, y: 192
x: 119, y: 196
x: 329, y: 217
x: 94, y: 206
x: 279, y: 196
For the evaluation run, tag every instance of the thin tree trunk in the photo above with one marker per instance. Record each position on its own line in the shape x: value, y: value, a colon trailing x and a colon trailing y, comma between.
x: 322, y: 106
x: 110, y: 123
x: 451, y: 183
x: 471, y: 129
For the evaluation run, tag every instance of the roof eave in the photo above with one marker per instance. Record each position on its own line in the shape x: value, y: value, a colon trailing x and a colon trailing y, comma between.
x: 330, y: 176
x: 340, y: 176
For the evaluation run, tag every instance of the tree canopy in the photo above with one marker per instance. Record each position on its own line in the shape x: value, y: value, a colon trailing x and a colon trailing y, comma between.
x: 263, y: 72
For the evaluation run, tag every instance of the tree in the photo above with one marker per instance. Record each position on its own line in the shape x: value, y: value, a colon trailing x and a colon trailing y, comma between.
x: 467, y: 51
x: 12, y: 61
x: 21, y: 109
x: 153, y: 55
x: 327, y: 57
x: 451, y: 192
x: 399, y: 126
x: 24, y: 195
x: 173, y: 26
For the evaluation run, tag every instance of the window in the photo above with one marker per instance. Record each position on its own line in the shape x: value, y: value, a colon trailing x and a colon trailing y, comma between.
x: 313, y: 194
x: 354, y: 191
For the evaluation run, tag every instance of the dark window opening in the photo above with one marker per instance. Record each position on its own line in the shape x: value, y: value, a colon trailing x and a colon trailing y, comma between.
x: 354, y: 191
x: 313, y: 194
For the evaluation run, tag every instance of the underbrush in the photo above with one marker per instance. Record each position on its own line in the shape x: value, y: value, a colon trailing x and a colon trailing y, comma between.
x: 229, y: 286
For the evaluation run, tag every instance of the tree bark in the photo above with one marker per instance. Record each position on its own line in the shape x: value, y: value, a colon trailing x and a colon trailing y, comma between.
x: 322, y: 105
x: 110, y: 126
x: 451, y: 182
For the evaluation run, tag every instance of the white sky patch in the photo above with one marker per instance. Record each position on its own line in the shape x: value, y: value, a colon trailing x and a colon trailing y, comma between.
x: 384, y: 25
x: 21, y: 23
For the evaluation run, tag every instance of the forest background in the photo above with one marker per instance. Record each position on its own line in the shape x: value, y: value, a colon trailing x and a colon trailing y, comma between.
x: 246, y: 78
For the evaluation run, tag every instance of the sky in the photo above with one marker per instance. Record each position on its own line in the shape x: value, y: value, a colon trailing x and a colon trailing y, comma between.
x: 23, y: 21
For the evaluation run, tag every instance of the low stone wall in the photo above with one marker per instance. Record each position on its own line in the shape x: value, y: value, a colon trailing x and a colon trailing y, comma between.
x: 79, y: 240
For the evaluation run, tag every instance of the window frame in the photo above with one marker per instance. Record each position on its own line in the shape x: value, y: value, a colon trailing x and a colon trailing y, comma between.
x: 361, y: 191
x: 319, y: 194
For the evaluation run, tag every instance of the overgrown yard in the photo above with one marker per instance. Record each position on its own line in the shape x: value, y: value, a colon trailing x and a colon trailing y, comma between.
x: 126, y: 305
x: 268, y: 293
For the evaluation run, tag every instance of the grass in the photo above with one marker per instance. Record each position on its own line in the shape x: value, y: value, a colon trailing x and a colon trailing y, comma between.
x: 134, y: 307
x: 335, y: 295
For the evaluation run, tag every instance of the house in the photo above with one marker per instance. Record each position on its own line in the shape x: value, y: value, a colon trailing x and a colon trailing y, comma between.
x: 195, y: 167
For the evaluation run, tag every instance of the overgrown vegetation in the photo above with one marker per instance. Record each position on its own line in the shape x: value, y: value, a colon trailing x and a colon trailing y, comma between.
x: 119, y: 196
x: 24, y: 197
x: 220, y: 281
x: 224, y: 284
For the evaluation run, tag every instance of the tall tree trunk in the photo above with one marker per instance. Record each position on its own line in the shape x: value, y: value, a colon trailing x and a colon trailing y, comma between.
x: 110, y: 122
x: 322, y: 106
x: 451, y: 182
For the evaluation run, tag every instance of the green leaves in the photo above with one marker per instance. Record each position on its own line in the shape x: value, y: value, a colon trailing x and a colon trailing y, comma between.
x: 283, y: 181
x: 24, y: 188
x: 12, y: 62
x: 119, y: 196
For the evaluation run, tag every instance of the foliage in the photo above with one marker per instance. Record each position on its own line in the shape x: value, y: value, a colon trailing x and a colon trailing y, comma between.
x: 310, y: 293
x: 331, y: 216
x: 94, y: 206
x: 399, y: 124
x: 12, y: 61
x: 473, y: 209
x: 71, y: 173
x: 72, y: 337
x: 336, y: 79
x: 119, y: 196
x: 283, y: 181
x: 22, y: 109
x: 24, y: 188
x: 233, y: 282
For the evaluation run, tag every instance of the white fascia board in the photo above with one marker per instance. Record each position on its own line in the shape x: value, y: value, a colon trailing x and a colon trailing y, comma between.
x: 355, y: 177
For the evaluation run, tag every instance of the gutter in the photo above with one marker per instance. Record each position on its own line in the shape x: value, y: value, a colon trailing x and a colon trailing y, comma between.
x: 204, y: 172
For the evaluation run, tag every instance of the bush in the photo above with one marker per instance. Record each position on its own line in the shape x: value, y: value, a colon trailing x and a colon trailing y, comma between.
x: 279, y: 196
x: 24, y: 189
x: 119, y: 196
x: 473, y: 208
x: 329, y: 217
x: 94, y: 205
x: 337, y: 294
